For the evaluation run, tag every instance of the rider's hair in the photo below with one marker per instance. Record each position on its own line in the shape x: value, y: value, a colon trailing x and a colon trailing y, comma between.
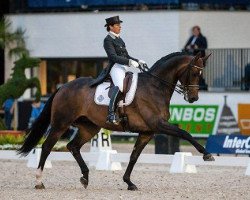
x: 108, y: 28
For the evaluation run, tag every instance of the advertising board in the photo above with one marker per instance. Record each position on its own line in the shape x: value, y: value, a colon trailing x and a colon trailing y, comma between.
x: 228, y: 144
x: 196, y: 119
x: 223, y: 111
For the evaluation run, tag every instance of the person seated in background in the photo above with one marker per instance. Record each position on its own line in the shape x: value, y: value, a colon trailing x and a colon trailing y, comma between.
x: 37, y: 107
x: 196, y: 43
x: 8, y: 107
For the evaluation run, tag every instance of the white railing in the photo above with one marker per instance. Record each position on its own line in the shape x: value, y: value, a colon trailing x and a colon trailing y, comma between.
x: 181, y: 162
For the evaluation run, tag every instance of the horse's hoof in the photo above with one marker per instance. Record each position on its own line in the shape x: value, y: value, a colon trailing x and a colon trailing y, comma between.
x: 84, y: 182
x: 208, y: 157
x: 40, y: 186
x: 132, y: 188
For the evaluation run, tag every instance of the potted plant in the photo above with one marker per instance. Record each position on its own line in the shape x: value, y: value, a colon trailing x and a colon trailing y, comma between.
x: 14, y: 42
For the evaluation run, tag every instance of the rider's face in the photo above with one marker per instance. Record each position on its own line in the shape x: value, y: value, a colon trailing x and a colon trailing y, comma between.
x: 116, y: 28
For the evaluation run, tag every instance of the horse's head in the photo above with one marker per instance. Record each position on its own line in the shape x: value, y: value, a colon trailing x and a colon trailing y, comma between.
x: 26, y: 62
x: 189, y: 77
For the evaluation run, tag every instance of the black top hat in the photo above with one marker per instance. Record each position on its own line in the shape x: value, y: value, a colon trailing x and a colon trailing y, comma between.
x: 112, y: 21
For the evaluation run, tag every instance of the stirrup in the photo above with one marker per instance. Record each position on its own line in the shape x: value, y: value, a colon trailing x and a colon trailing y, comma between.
x: 113, y: 119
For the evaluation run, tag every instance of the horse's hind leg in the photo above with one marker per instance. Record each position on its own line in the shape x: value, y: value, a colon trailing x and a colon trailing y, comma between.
x: 53, y: 136
x: 87, y: 130
x: 141, y: 142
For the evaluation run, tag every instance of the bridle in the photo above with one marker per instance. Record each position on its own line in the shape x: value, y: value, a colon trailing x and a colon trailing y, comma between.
x: 185, y: 88
x: 179, y: 88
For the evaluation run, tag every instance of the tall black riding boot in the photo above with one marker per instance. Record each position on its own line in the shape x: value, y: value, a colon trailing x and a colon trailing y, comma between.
x: 112, y: 117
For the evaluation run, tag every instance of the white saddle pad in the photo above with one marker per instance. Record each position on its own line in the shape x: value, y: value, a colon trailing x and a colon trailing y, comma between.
x: 101, y: 93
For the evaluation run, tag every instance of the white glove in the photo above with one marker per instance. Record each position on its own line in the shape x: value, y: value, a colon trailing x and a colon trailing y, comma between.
x: 142, y: 62
x: 133, y: 63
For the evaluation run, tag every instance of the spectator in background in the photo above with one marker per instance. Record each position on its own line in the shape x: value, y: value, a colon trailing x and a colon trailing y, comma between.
x: 37, y: 107
x: 8, y: 107
x: 197, y: 42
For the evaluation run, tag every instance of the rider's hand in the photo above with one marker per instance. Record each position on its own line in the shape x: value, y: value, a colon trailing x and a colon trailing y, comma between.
x: 133, y: 63
x: 142, y: 62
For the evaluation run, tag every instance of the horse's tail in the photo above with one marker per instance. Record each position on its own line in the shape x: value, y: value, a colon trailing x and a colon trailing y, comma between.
x: 38, y: 128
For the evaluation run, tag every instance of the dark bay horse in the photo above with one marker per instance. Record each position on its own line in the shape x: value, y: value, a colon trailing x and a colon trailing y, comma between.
x: 73, y: 104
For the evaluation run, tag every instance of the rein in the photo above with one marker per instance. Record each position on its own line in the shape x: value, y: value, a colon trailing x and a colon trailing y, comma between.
x: 177, y: 87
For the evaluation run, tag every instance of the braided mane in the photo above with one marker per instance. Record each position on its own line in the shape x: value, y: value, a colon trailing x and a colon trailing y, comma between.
x: 167, y: 57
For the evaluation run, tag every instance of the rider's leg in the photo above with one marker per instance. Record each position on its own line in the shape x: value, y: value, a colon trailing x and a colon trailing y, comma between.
x: 117, y: 74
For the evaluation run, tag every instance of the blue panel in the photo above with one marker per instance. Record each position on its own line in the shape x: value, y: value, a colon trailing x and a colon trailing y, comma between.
x: 228, y: 144
x: 36, y: 3
x: 94, y: 3
x: 62, y: 3
x: 77, y: 3
x: 127, y: 2
x: 225, y: 2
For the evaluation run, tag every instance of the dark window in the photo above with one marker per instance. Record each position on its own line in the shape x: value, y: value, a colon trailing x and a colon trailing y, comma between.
x: 60, y: 71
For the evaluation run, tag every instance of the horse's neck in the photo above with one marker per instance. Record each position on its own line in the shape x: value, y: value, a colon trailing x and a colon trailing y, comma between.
x: 157, y: 92
x: 167, y: 74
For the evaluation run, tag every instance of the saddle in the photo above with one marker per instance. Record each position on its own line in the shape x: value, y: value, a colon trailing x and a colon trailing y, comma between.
x: 104, y: 91
x: 127, y: 82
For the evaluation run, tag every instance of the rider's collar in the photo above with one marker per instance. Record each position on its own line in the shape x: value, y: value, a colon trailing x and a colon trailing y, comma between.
x: 113, y: 35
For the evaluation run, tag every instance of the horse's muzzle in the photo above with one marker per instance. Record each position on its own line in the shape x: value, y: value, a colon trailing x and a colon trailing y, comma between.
x: 193, y: 99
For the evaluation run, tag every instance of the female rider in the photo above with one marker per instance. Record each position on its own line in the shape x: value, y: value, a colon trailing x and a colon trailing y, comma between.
x: 119, y: 61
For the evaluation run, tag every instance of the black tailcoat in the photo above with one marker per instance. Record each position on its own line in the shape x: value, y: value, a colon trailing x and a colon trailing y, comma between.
x: 117, y: 53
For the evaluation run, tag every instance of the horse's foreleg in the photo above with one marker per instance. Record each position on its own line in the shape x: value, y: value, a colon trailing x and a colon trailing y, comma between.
x: 141, y: 142
x: 86, y: 132
x: 53, y: 137
x: 166, y: 128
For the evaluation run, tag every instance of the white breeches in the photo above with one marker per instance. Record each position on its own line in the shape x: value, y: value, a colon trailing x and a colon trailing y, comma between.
x: 117, y: 74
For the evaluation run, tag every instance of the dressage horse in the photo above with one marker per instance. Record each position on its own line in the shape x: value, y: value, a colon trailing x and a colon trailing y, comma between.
x: 73, y: 104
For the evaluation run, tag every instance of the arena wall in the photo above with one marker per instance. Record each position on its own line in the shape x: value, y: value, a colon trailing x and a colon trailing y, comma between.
x: 149, y: 35
x: 223, y: 29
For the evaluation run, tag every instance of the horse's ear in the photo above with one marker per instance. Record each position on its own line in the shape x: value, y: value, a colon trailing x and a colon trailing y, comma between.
x: 196, y: 57
x: 206, y: 57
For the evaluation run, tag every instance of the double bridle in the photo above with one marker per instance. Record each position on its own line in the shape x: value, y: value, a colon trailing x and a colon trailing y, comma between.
x: 180, y: 88
x: 186, y: 86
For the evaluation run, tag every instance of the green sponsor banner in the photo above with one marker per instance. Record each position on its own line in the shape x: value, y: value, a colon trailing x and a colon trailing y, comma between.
x: 196, y: 119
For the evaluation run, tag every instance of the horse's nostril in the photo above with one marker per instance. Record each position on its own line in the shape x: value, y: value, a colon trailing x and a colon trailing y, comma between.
x: 193, y: 99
